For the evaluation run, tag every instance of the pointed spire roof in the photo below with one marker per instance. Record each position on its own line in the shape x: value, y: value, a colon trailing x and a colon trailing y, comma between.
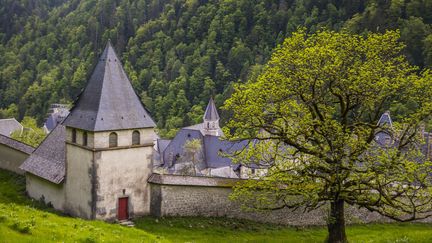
x: 211, y: 113
x: 385, y: 120
x: 109, y: 101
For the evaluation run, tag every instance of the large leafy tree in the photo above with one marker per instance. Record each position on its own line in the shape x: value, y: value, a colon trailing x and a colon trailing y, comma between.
x: 312, y: 116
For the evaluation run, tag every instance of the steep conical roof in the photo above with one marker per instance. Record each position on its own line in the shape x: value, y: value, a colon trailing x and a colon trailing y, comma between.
x: 211, y: 113
x: 108, y: 102
x: 385, y: 120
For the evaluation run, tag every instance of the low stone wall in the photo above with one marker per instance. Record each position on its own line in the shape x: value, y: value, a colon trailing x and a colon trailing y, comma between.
x: 173, y: 195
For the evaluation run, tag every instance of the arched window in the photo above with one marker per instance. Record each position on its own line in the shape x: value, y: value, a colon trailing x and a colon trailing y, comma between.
x: 84, y: 139
x: 135, y: 138
x: 74, y: 135
x: 113, y: 140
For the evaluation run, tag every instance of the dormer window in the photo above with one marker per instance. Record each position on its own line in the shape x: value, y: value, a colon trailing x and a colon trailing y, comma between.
x: 74, y: 135
x: 113, y: 140
x: 84, y: 139
x: 136, y: 138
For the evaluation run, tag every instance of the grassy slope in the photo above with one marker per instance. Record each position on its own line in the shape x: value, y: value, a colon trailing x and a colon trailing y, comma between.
x: 219, y: 230
x: 23, y: 220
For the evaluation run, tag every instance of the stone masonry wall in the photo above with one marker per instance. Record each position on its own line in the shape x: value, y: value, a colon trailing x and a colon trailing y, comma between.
x: 203, y: 196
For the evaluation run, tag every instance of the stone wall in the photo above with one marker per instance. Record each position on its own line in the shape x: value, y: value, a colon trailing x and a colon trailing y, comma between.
x: 173, y: 195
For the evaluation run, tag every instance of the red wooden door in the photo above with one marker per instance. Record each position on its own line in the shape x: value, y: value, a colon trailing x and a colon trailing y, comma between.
x: 123, y: 209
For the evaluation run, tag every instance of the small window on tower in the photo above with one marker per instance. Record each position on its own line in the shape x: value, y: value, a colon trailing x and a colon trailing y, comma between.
x: 135, y: 138
x: 74, y: 135
x: 84, y: 142
x: 113, y: 140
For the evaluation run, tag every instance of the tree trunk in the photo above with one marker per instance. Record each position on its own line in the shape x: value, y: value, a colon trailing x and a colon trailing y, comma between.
x: 336, y: 223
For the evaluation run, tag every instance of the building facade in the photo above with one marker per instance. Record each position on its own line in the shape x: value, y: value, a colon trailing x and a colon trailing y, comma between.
x: 96, y: 163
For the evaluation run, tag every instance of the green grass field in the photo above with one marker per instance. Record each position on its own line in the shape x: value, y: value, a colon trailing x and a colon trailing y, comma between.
x: 24, y: 220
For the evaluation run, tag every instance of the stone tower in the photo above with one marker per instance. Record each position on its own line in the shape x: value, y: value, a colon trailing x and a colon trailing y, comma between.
x: 211, y: 120
x: 109, y: 146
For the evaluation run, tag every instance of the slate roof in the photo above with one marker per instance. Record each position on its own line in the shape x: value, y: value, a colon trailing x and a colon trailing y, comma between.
x: 162, y: 144
x: 211, y: 113
x: 384, y: 137
x: 49, y: 159
x: 17, y: 145
x: 213, y: 148
x: 109, y: 101
x: 7, y: 126
x: 385, y: 120
x: 176, y: 146
x: 55, y: 118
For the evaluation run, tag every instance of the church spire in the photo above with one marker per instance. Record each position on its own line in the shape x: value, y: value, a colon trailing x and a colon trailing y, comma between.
x: 211, y: 113
x: 211, y: 119
x: 109, y: 101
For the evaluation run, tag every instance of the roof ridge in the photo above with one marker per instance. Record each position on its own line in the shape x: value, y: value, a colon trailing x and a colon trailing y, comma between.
x: 102, y: 86
x: 12, y: 118
x: 19, y: 142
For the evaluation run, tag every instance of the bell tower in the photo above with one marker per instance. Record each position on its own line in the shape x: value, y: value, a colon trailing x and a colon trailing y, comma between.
x: 211, y: 120
x: 109, y: 146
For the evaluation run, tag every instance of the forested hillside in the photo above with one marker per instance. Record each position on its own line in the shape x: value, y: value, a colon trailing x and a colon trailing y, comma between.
x: 177, y: 52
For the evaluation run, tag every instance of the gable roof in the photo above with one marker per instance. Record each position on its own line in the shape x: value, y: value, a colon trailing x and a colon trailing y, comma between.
x: 7, y: 126
x: 49, y: 159
x: 17, y: 145
x: 109, y: 101
x: 211, y: 113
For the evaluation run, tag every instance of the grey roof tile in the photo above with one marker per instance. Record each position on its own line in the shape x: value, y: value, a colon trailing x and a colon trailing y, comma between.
x: 211, y: 113
x: 55, y: 118
x: 384, y: 137
x: 17, y: 145
x: 109, y: 101
x: 162, y: 144
x: 213, y: 148
x: 49, y: 159
x: 7, y: 126
x: 176, y: 147
x: 385, y: 120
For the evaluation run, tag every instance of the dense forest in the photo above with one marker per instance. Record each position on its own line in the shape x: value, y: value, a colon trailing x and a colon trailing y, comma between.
x: 177, y: 53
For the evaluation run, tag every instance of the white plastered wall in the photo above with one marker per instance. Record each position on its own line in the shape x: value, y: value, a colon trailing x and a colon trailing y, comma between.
x: 78, y: 184
x: 49, y: 192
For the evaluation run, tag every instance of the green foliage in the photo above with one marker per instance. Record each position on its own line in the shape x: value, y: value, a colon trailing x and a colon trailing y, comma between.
x: 314, y: 113
x: 31, y: 134
x: 10, y: 112
x: 49, y: 49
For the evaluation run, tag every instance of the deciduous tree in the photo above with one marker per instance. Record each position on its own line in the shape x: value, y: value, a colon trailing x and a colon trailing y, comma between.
x: 312, y: 115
